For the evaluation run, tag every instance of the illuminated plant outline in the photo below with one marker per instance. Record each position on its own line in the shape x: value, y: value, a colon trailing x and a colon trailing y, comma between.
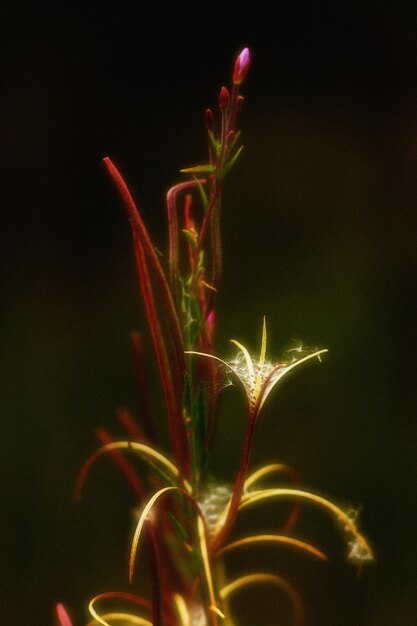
x: 184, y: 518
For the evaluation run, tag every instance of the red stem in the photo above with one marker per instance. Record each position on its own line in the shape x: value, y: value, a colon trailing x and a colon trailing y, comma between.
x: 158, y: 582
x: 123, y: 464
x: 173, y: 227
x: 216, y: 246
x: 172, y: 389
x: 130, y: 425
x: 207, y: 217
x: 233, y: 109
x: 238, y: 486
x: 189, y: 225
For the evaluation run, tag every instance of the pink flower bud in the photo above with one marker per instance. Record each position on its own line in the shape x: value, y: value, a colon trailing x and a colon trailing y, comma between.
x: 241, y: 66
x: 224, y: 99
x: 209, y: 119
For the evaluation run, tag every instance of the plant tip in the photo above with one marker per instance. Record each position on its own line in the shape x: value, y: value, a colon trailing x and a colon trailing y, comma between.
x: 241, y: 66
x: 63, y: 617
x: 209, y: 118
x: 224, y: 99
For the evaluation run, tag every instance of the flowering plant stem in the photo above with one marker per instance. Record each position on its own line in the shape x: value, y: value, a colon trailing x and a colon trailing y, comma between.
x: 183, y: 515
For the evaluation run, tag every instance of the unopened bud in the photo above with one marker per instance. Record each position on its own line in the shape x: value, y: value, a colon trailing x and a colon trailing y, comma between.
x: 239, y: 103
x: 209, y: 119
x: 241, y: 66
x: 224, y: 99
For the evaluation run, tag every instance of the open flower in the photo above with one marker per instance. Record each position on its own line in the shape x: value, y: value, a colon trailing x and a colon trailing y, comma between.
x: 258, y: 376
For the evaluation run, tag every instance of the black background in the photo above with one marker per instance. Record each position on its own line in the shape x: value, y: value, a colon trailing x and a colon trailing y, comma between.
x: 319, y: 236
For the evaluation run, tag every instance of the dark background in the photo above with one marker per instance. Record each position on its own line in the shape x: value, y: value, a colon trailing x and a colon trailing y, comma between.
x: 319, y: 236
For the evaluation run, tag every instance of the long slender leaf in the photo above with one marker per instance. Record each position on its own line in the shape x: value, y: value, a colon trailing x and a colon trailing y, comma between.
x: 171, y: 388
x: 152, y: 257
x: 124, y: 465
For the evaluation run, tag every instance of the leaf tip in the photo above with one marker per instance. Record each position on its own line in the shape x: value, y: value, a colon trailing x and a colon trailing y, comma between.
x: 63, y: 617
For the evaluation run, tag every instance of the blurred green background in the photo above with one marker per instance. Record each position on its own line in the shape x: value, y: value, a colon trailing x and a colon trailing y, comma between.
x: 319, y: 235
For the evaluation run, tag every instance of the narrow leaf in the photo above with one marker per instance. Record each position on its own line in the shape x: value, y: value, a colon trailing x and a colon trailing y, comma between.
x: 235, y: 139
x: 191, y: 238
x: 152, y: 257
x: 230, y: 164
x: 124, y: 465
x: 271, y: 539
x: 172, y: 390
x: 199, y: 169
x: 202, y: 191
x: 183, y: 535
x: 214, y: 143
x: 251, y: 579
x: 146, y: 452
